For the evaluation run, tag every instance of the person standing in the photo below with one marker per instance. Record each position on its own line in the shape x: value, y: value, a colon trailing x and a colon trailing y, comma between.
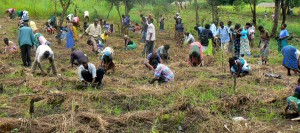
x: 231, y: 42
x: 223, y: 32
x: 179, y: 32
x: 161, y: 23
x: 26, y: 41
x: 251, y: 31
x: 150, y: 38
x: 264, y: 44
x: 245, y: 47
x: 44, y: 52
x: 144, y: 29
x: 282, y: 40
x: 213, y: 28
x: 205, y: 38
x: 70, y: 35
x: 237, y: 39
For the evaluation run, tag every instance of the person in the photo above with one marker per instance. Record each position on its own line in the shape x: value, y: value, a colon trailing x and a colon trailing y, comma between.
x: 189, y: 38
x: 70, y: 35
x: 77, y: 56
x: 223, y: 32
x: 177, y: 16
x: 24, y: 16
x: 205, y: 39
x: 86, y: 16
x: 264, y: 44
x: 213, y: 27
x: 75, y: 22
x: 237, y: 39
x: 106, y: 26
x: 144, y: 29
x: 162, y: 73
x: 32, y: 25
x: 195, y: 55
x: 53, y: 21
x: 11, y: 49
x: 282, y: 39
x: 104, y: 37
x: 88, y: 74
x: 161, y: 23
x: 294, y: 101
x: 137, y: 28
x: 48, y: 28
x: 125, y: 24
x: 231, y: 42
x: 150, y: 58
x: 150, y: 38
x: 44, y: 52
x: 251, y: 31
x: 11, y: 13
x: 41, y: 40
x: 94, y: 30
x: 179, y: 32
x: 26, y: 41
x: 95, y: 48
x: 163, y: 52
x: 70, y: 18
x: 111, y: 28
x: 273, y: 16
x: 238, y: 66
x: 129, y: 44
x: 245, y: 47
x: 199, y: 30
x: 290, y: 59
x: 107, y: 60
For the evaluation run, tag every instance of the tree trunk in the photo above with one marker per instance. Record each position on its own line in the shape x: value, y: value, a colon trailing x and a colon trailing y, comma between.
x: 276, y: 19
x: 118, y: 9
x: 126, y: 7
x: 253, y: 10
x: 111, y: 7
x: 65, y: 7
x: 284, y: 10
x: 197, y: 12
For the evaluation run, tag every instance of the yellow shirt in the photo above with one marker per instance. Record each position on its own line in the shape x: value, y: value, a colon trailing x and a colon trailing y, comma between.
x: 104, y: 37
x: 32, y: 25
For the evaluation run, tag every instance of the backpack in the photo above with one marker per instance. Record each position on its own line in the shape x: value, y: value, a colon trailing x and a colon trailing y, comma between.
x: 204, y: 39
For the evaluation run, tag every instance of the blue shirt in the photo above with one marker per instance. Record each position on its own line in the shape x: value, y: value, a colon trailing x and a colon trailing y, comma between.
x: 224, y: 34
x: 244, y: 34
x: 283, y: 33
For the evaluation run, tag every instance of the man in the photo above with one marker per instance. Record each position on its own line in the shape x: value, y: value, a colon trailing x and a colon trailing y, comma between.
x: 125, y: 24
x: 163, y: 52
x: 88, y: 74
x: 199, y: 30
x: 77, y: 56
x: 205, y: 36
x: 44, y: 52
x: 94, y: 30
x: 150, y: 58
x: 189, y: 38
x: 107, y: 60
x: 213, y: 28
x: 223, y: 32
x: 150, y: 38
x: 162, y: 73
x: 195, y: 55
x: 26, y: 41
x: 231, y: 42
x: 144, y: 30
x: 86, y: 16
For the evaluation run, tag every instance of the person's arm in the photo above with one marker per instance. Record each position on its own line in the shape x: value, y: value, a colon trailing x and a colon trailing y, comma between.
x: 94, y: 74
x: 86, y: 31
x: 153, y: 80
x: 72, y: 59
x: 80, y: 76
x: 148, y: 64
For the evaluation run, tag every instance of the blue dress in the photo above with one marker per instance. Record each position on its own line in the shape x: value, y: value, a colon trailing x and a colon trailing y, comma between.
x: 70, y: 39
x: 289, y: 57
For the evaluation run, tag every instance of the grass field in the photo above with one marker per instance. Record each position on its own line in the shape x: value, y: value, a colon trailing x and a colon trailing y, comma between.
x: 200, y: 100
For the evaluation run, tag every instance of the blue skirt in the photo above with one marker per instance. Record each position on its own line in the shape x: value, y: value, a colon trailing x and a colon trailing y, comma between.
x: 289, y: 57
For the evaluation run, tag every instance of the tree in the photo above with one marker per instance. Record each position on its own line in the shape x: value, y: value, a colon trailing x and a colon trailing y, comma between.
x: 284, y: 9
x: 197, y: 12
x: 117, y: 5
x: 214, y: 8
x: 65, y: 4
x: 141, y: 4
x: 253, y: 4
x: 129, y: 4
x: 276, y: 19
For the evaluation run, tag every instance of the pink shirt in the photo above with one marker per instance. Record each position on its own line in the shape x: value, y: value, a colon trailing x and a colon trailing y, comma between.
x: 11, y: 10
x: 76, y: 19
x: 199, y: 45
x: 42, y: 40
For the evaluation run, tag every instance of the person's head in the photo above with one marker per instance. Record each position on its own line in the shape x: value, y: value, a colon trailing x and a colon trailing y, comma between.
x: 123, y: 16
x: 187, y: 34
x: 154, y: 55
x: 215, y: 22
x: 136, y: 24
x: 261, y: 28
x: 222, y: 24
x: 283, y: 26
x: 105, y: 33
x: 106, y: 54
x: 111, y: 25
x: 229, y: 23
x: 84, y: 62
x: 178, y: 20
x: 104, y: 22
x: 297, y: 92
x: 231, y: 61
x: 237, y: 26
x: 5, y: 41
x: 96, y: 21
x: 141, y: 15
x: 167, y: 47
x: 89, y: 42
x: 46, y: 54
x: 47, y: 23
x: 196, y: 28
x: 154, y: 63
x: 207, y: 26
x: 248, y: 25
x: 195, y: 58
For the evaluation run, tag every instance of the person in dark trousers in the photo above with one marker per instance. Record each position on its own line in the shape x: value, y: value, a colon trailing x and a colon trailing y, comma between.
x: 26, y: 41
x: 77, y: 56
x: 88, y: 74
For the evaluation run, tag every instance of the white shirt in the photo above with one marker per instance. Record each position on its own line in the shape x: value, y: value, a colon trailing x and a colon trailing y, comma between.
x: 151, y: 29
x: 86, y: 14
x: 213, y: 29
x: 39, y: 55
x: 251, y: 31
x: 108, y: 49
x: 94, y: 31
x: 189, y: 38
x: 91, y: 69
x: 161, y: 50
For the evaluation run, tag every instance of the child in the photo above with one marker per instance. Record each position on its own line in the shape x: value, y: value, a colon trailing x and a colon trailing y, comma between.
x: 111, y: 28
x: 49, y: 28
x: 294, y: 101
x: 137, y: 28
x: 12, y: 49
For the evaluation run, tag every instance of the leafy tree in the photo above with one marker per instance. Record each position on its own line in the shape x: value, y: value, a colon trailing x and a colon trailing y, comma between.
x: 214, y: 8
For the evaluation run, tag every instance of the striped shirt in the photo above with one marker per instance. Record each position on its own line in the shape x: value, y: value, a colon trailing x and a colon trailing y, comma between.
x: 164, y: 72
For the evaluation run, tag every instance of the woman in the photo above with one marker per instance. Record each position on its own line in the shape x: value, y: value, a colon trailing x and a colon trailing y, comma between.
x: 195, y: 55
x: 264, y: 44
x: 237, y: 39
x: 129, y: 45
x: 294, y: 101
x: 70, y: 35
x: 238, y: 66
x: 290, y: 59
x: 282, y: 40
x: 245, y: 47
x: 161, y: 23
x: 179, y: 32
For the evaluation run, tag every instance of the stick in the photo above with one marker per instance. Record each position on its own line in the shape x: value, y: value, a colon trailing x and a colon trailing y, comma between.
x: 234, y: 83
